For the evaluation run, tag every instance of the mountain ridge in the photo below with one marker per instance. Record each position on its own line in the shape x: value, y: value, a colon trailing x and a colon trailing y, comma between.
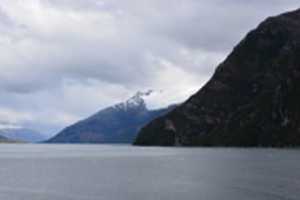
x: 22, y: 134
x: 251, y: 100
x: 116, y: 124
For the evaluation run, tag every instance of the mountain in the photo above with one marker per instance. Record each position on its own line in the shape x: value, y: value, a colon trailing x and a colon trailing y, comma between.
x: 22, y: 134
x: 251, y: 100
x: 4, y: 139
x: 116, y: 124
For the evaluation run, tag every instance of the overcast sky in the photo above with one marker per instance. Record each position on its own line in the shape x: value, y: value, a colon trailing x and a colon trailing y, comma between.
x: 62, y: 60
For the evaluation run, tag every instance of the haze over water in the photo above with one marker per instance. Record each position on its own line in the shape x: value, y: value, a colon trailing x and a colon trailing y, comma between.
x: 120, y: 172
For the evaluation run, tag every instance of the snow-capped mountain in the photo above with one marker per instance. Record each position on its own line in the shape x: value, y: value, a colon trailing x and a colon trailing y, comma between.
x: 116, y: 124
x: 137, y: 101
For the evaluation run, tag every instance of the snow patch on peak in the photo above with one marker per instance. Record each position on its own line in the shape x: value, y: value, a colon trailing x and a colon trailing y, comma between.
x: 151, y: 100
x: 154, y: 99
x: 138, y: 99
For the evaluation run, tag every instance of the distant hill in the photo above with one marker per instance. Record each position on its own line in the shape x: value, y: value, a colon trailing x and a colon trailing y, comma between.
x: 6, y: 140
x: 116, y: 124
x: 251, y: 100
x: 22, y: 134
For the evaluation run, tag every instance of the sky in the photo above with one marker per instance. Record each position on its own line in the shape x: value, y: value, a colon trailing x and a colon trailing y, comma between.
x: 63, y: 60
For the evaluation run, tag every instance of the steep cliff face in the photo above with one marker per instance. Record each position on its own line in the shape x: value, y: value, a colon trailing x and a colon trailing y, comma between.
x: 115, y: 124
x: 253, y: 99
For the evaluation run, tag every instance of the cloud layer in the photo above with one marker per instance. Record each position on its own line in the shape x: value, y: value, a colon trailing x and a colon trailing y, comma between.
x: 62, y: 60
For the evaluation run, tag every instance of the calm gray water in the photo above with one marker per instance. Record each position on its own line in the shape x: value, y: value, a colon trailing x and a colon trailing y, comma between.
x: 96, y: 172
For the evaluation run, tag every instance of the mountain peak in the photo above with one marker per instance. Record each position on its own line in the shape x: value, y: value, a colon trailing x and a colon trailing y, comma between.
x: 136, y: 101
x: 119, y: 123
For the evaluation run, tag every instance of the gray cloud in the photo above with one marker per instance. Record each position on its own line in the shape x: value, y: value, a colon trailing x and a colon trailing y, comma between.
x: 69, y: 58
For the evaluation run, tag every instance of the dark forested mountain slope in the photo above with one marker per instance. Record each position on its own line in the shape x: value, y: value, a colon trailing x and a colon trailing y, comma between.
x: 253, y: 99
